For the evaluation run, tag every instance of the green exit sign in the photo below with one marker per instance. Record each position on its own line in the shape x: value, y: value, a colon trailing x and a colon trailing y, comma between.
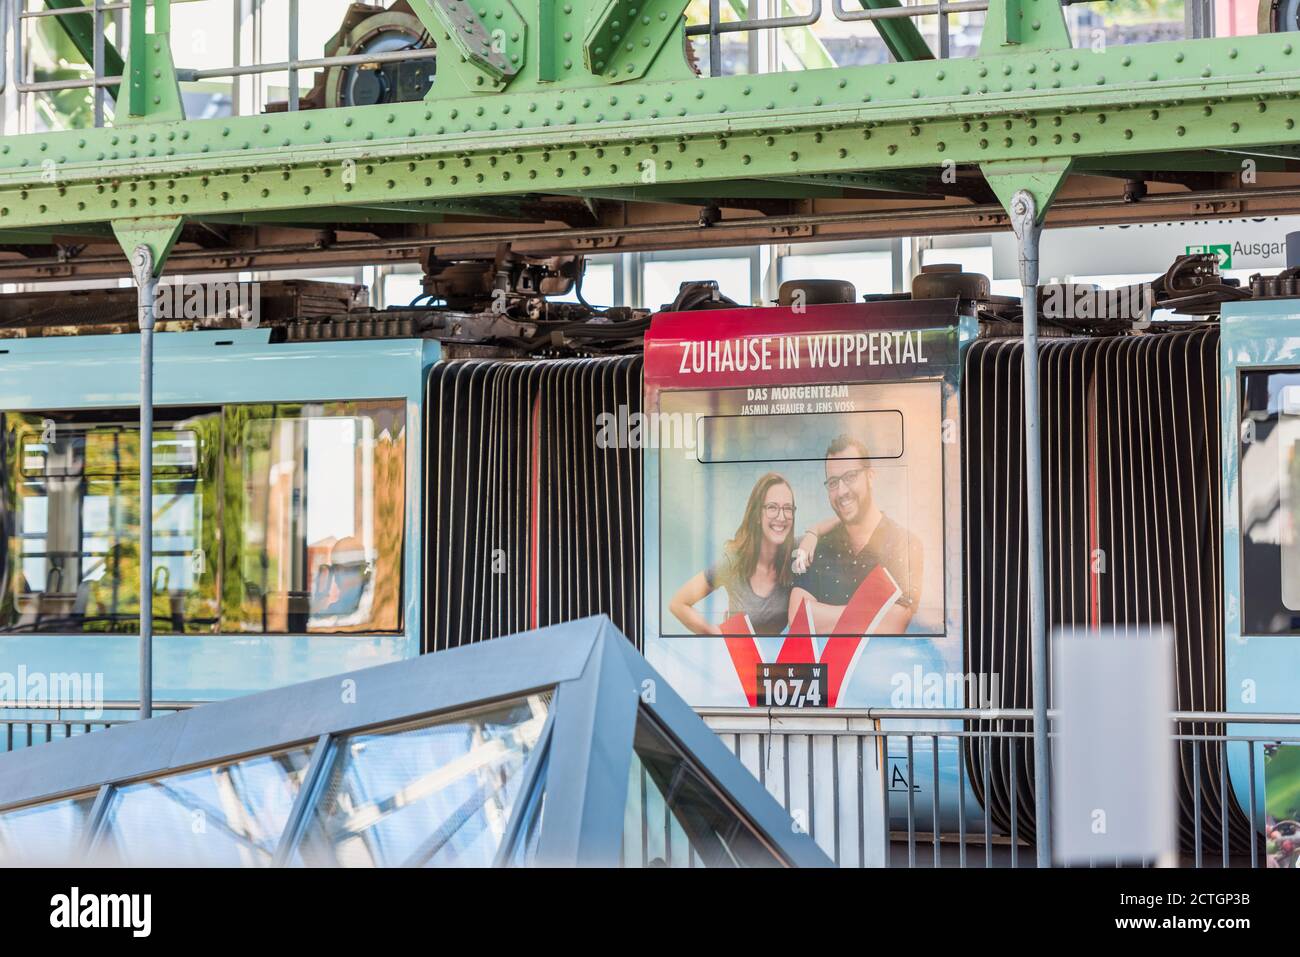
x: 1222, y: 250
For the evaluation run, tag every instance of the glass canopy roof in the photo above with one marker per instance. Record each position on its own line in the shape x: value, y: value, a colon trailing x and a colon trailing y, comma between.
x: 558, y: 747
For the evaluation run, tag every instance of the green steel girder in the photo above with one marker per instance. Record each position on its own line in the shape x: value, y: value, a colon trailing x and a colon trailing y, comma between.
x: 418, y: 211
x: 706, y: 193
x: 1021, y: 108
x: 1203, y: 162
x: 159, y: 233
x: 80, y: 29
x: 489, y: 37
x: 902, y: 38
x: 623, y: 37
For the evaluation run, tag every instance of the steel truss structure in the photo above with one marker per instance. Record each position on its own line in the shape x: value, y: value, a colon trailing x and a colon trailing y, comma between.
x: 583, y: 121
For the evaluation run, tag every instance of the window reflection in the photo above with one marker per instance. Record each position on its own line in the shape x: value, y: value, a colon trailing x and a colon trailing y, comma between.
x: 320, y: 510
x: 74, y: 552
x: 675, y: 818
x: 46, y: 834
x: 267, y: 518
x: 437, y: 795
x: 1270, y: 503
x: 231, y: 815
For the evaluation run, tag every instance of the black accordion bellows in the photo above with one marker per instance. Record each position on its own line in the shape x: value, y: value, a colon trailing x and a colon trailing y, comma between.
x: 534, y: 518
x: 1131, y: 473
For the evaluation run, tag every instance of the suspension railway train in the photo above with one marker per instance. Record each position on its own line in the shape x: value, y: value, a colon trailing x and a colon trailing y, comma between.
x: 338, y: 487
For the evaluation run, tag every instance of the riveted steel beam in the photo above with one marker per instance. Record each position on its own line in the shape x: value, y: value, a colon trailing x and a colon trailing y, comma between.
x: 488, y: 39
x: 1229, y: 93
x: 623, y: 37
x: 153, y: 93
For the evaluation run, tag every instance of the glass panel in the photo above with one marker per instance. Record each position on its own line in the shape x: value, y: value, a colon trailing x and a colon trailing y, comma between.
x: 597, y: 286
x: 319, y: 511
x: 674, y: 817
x: 1270, y: 503
x: 529, y: 833
x: 74, y: 549
x: 435, y: 795
x: 871, y: 272
x: 46, y: 834
x: 663, y: 279
x: 231, y: 815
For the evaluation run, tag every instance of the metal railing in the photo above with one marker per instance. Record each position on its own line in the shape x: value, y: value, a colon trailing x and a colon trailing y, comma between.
x: 26, y: 724
x: 16, y: 14
x: 826, y: 770
x: 908, y: 810
x: 100, y: 79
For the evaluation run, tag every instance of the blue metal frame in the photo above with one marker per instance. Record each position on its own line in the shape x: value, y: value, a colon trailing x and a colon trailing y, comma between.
x: 600, y: 683
x: 212, y: 368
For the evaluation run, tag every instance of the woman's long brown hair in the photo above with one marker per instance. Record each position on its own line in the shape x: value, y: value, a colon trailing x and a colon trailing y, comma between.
x: 744, y: 547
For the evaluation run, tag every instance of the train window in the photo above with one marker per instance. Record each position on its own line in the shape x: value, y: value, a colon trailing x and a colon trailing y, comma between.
x: 315, y: 498
x: 1270, y: 503
x: 74, y: 522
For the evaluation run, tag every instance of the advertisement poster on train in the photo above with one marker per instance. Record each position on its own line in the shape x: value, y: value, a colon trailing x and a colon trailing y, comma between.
x: 1282, y: 804
x: 802, y: 536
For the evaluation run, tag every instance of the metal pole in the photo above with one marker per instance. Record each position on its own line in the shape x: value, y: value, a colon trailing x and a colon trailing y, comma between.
x: 715, y: 39
x: 146, y: 287
x: 293, y: 54
x: 1024, y: 220
x: 98, y: 57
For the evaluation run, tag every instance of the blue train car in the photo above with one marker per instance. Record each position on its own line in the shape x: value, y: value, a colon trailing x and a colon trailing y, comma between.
x: 287, y: 491
x: 1261, y: 526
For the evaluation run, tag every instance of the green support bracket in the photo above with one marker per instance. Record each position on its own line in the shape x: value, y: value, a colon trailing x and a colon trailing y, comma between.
x: 80, y: 29
x: 623, y: 37
x: 900, y: 34
x: 1018, y: 26
x: 1041, y: 178
x: 153, y: 92
x: 488, y: 35
x: 159, y: 233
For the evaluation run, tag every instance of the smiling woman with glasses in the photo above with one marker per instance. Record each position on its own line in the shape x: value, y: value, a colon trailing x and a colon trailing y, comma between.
x: 754, y: 567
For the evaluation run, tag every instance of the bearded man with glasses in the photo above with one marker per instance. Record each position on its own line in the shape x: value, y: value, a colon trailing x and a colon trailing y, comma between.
x: 832, y: 563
